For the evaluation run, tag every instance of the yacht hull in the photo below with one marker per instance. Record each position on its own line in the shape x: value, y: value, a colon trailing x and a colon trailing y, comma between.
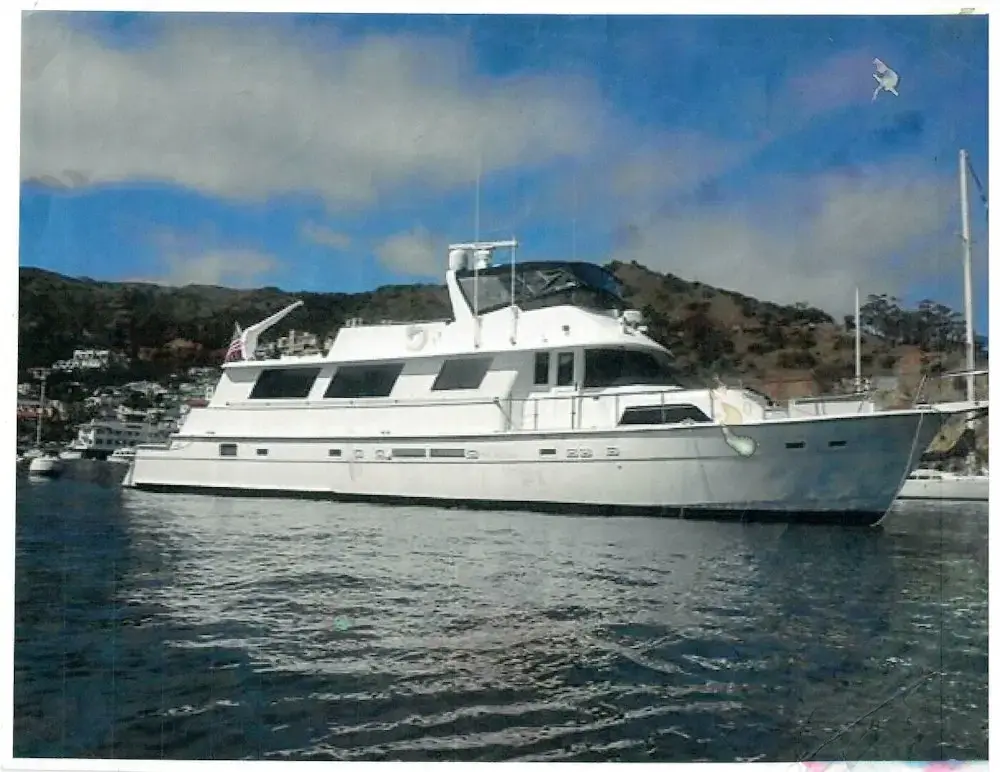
x: 837, y: 470
x: 958, y: 488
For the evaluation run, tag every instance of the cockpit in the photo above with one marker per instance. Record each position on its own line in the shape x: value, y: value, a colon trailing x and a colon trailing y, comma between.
x: 541, y: 284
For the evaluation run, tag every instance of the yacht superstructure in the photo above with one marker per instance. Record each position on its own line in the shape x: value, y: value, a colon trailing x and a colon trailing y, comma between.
x: 541, y: 392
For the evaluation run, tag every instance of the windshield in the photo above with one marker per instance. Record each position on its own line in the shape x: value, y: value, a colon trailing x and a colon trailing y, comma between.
x: 537, y: 285
x: 605, y: 367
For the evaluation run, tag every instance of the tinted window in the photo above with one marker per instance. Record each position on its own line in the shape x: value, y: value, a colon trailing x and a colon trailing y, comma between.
x: 564, y: 369
x: 227, y: 449
x: 663, y: 414
x: 542, y: 368
x: 462, y: 374
x: 355, y: 381
x: 623, y: 367
x: 286, y: 383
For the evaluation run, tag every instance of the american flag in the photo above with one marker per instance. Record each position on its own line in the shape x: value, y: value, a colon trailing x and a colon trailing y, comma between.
x: 235, y: 351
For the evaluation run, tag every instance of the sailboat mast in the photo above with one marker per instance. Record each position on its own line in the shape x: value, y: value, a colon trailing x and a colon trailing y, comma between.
x: 970, y: 351
x: 41, y: 412
x: 857, y: 339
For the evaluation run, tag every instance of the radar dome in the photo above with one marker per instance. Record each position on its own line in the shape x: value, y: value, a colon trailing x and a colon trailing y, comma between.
x: 458, y: 259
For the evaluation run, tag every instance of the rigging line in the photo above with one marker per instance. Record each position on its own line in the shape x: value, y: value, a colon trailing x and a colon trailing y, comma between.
x: 979, y: 185
x: 846, y: 727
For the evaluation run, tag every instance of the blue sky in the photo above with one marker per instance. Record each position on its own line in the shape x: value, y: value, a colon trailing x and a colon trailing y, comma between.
x: 340, y: 152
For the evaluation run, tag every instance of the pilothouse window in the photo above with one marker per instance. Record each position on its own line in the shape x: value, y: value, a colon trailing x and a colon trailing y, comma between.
x: 564, y: 369
x: 359, y: 381
x: 625, y: 367
x: 467, y: 373
x: 285, y: 383
x: 542, y: 368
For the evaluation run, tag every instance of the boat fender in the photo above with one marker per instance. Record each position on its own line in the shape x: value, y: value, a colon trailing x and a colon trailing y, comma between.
x: 416, y: 338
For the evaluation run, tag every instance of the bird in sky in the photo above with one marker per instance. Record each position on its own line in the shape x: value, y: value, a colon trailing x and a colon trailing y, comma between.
x: 887, y: 79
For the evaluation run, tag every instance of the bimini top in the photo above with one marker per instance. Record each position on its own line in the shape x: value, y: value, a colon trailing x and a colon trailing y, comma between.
x: 540, y: 284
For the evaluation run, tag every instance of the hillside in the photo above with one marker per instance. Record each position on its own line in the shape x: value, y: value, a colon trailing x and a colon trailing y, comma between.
x: 710, y: 331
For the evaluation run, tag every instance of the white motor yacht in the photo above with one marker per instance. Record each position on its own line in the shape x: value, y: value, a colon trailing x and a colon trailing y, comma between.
x: 541, y: 392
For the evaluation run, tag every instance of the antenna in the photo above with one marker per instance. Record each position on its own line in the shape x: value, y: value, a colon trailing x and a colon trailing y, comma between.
x: 479, y: 174
x: 575, y: 204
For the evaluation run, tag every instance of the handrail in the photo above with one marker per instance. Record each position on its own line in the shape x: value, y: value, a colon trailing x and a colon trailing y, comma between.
x: 417, y: 402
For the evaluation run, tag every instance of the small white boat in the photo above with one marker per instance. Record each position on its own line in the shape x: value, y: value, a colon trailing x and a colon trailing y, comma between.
x: 122, y: 456
x: 932, y: 484
x: 70, y: 454
x: 45, y: 466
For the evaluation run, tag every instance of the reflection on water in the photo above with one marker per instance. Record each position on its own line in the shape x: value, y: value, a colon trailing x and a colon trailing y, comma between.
x: 195, y: 627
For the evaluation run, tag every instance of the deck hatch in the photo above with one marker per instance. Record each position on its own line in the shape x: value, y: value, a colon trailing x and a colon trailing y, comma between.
x: 363, y: 381
x: 463, y: 373
x: 284, y: 383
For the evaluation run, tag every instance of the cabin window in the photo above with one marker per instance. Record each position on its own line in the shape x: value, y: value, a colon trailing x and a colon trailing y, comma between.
x: 261, y: 451
x: 663, y: 414
x: 447, y: 453
x: 227, y: 449
x: 357, y: 381
x: 333, y: 453
x: 606, y: 367
x: 542, y: 368
x: 285, y: 383
x: 466, y: 373
x: 409, y: 452
x: 564, y: 368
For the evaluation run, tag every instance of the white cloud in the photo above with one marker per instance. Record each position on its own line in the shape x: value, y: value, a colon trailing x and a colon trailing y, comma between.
x: 238, y: 268
x: 201, y: 257
x: 231, y: 108
x: 414, y: 253
x: 324, y: 236
x: 806, y: 240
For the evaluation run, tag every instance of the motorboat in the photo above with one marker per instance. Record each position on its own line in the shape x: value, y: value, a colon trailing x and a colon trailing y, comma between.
x: 46, y: 465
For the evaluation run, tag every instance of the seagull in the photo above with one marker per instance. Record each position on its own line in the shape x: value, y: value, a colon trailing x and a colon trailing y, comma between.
x: 887, y: 79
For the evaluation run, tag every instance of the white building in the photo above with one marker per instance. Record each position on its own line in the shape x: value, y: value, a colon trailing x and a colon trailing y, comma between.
x: 85, y: 359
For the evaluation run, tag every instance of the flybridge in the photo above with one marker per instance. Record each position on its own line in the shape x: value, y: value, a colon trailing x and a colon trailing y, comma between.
x: 477, y: 288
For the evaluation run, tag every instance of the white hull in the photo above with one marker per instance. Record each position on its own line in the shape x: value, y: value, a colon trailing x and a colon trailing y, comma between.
x: 686, y: 471
x: 45, y: 466
x: 71, y: 455
x: 951, y: 487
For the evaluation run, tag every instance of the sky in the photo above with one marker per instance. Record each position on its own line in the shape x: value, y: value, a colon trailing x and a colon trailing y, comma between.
x: 342, y: 152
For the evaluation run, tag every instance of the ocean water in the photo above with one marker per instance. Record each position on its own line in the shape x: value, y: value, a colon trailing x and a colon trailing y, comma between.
x: 175, y: 627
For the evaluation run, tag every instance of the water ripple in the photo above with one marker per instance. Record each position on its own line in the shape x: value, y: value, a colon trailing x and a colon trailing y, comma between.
x: 186, y: 627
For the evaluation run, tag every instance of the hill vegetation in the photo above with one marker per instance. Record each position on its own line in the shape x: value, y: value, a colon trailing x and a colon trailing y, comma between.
x: 712, y: 332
